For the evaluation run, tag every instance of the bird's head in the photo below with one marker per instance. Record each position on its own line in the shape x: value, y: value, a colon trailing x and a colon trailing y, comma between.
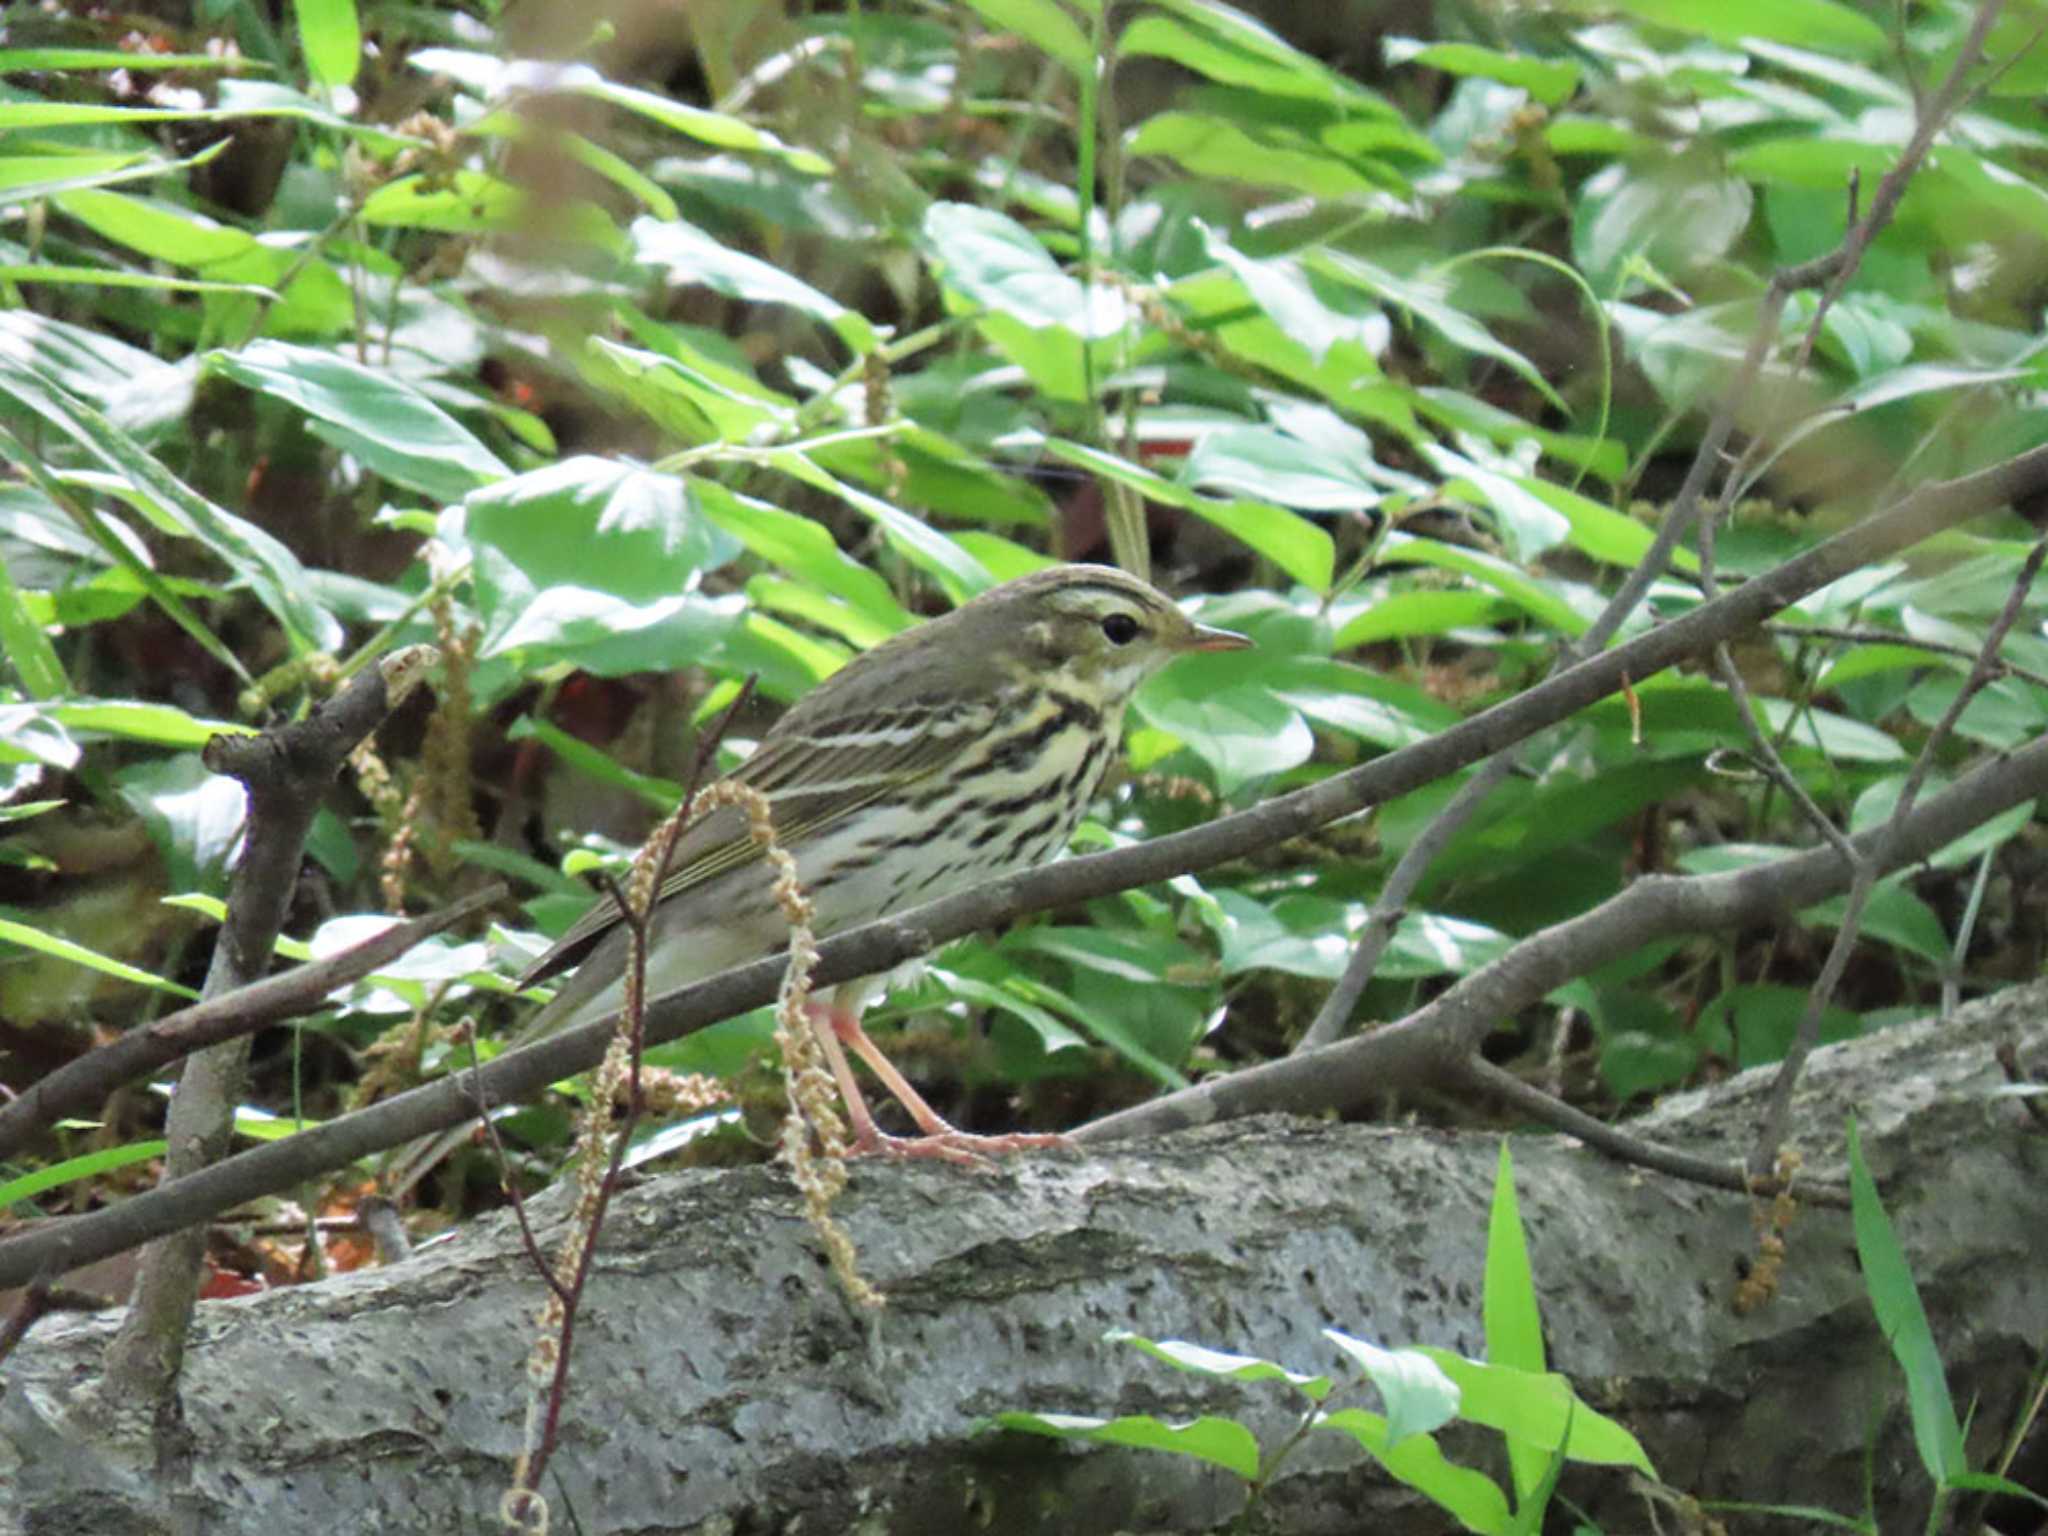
x: 1100, y: 630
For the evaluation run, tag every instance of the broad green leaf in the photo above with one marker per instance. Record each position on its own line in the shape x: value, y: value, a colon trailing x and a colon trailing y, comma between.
x: 1600, y: 531
x: 1293, y: 543
x: 689, y: 255
x: 804, y: 548
x: 1531, y: 594
x: 1410, y: 614
x: 664, y: 795
x: 24, y: 178
x: 1428, y: 299
x: 376, y: 416
x: 1472, y: 1498
x: 1418, y: 1396
x: 1218, y: 706
x: 1549, y: 81
x: 1528, y: 525
x: 73, y: 1169
x: 271, y: 569
x: 138, y: 392
x: 618, y: 528
x: 1232, y: 48
x: 994, y: 262
x: 1836, y: 736
x: 1821, y: 25
x: 1301, y: 935
x: 1679, y: 216
x: 1215, y: 147
x: 332, y: 38
x: 957, y: 572
x: 1045, y: 25
x: 695, y: 402
x: 1937, y: 1434
x: 194, y: 816
x: 1540, y: 1411
x: 1263, y: 464
x: 1223, y: 1442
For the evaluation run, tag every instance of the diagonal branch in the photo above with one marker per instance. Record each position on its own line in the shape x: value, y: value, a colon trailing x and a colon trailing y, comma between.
x: 78, y: 1085
x: 876, y: 947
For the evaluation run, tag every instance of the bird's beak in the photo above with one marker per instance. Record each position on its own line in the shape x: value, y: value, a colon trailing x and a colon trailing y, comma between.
x: 1202, y: 638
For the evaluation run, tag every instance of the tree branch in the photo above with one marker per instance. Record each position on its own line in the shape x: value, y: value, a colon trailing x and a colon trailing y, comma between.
x: 80, y: 1084
x: 876, y: 947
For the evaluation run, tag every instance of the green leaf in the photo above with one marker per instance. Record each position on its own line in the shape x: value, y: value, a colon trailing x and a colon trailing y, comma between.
x: 1549, y: 81
x: 163, y: 725
x: 1540, y: 1412
x: 1232, y: 48
x: 664, y: 795
x: 1405, y: 615
x: 616, y: 528
x: 491, y: 78
x: 1472, y: 1498
x: 1937, y: 1434
x: 194, y: 816
x: 1301, y: 935
x: 1218, y: 705
x: 1418, y: 1396
x: 1536, y: 597
x: 994, y: 262
x: 1292, y: 542
x: 332, y: 38
x: 384, y: 421
x: 271, y: 570
x: 72, y: 1169
x: 91, y: 959
x: 1514, y: 1327
x: 1200, y: 1360
x: 688, y: 255
x: 1223, y: 1442
x: 26, y: 646
x: 1261, y: 463
x: 804, y: 548
x: 1428, y: 299
x: 1818, y: 24
x: 1045, y: 25
x: 957, y: 572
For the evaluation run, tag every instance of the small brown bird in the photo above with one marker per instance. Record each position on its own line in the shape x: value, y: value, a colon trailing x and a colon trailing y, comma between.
x: 958, y: 751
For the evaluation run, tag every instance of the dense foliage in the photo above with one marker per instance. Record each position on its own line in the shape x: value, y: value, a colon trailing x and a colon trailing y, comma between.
x: 631, y: 363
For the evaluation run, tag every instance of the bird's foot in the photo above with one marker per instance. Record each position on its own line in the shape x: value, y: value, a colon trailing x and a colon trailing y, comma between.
x: 959, y: 1147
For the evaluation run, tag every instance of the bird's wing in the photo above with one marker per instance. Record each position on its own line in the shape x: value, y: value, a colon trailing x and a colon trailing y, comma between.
x: 813, y: 779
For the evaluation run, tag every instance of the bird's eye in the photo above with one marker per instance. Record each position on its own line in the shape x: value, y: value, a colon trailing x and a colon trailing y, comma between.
x: 1120, y: 629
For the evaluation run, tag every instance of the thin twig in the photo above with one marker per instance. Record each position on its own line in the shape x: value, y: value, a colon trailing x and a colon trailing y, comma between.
x: 1528, y: 1099
x: 1849, y: 635
x: 1777, y: 1119
x: 86, y: 1080
x: 877, y: 946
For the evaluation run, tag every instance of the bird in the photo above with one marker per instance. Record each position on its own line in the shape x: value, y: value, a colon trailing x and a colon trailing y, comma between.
x: 965, y: 748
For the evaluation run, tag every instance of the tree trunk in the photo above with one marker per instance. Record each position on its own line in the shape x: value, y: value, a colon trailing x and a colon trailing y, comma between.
x: 720, y: 1382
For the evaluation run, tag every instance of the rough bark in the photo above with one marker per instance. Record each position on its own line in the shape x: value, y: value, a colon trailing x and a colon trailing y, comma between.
x: 721, y: 1384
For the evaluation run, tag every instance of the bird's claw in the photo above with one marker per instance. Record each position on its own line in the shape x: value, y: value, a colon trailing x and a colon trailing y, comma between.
x: 962, y: 1148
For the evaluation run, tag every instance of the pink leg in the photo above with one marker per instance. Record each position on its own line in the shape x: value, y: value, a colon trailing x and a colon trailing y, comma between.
x: 937, y: 1139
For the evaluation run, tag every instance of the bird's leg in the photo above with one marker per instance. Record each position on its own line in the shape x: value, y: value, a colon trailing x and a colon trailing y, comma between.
x: 836, y: 1023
